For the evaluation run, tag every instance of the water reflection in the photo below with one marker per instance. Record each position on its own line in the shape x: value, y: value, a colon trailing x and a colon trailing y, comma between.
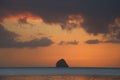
x: 59, y: 77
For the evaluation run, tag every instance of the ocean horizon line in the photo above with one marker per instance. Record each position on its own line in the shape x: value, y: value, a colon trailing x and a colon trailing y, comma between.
x: 69, y: 67
x: 60, y: 71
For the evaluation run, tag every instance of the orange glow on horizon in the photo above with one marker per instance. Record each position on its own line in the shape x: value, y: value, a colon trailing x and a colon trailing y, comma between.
x: 27, y: 15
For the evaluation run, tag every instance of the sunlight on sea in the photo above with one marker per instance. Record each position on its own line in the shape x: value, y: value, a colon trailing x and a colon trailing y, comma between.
x: 59, y: 77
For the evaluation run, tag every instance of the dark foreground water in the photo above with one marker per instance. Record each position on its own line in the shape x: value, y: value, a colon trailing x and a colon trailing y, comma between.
x: 59, y: 74
x: 60, y: 71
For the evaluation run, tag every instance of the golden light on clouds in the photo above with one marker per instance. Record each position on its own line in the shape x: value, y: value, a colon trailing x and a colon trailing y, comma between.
x: 28, y: 16
x: 81, y: 32
x: 30, y: 27
x: 75, y: 19
x: 117, y: 21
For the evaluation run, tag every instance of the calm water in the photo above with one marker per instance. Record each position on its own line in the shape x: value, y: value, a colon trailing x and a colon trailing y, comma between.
x: 60, y: 71
x: 59, y: 74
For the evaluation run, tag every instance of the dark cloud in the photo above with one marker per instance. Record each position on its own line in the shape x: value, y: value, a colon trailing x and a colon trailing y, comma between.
x: 72, y: 22
x: 93, y: 41
x: 97, y: 13
x: 113, y: 41
x: 7, y: 40
x: 69, y: 43
x: 114, y: 30
x: 42, y: 42
x: 118, y: 35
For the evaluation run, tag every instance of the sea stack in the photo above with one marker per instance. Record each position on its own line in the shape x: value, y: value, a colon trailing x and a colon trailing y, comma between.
x: 62, y: 63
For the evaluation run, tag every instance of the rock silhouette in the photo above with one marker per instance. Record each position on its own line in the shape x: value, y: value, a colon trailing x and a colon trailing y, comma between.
x: 61, y: 63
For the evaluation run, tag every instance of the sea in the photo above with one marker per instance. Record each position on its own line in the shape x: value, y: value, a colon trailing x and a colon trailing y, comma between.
x: 59, y: 73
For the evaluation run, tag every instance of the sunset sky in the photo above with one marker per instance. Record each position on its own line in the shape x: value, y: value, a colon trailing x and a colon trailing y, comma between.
x: 37, y: 33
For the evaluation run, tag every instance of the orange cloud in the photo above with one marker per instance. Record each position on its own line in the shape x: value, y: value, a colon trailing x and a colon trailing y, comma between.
x: 75, y: 19
x: 24, y: 17
x: 117, y: 21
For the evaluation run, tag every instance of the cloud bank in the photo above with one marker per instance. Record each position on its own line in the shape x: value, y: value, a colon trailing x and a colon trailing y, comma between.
x: 7, y: 40
x: 97, y: 14
x: 94, y: 16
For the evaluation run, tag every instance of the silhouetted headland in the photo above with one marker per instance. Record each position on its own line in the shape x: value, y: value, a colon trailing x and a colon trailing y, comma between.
x: 61, y: 63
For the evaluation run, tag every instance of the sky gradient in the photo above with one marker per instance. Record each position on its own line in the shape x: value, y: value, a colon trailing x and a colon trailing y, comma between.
x: 37, y: 33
